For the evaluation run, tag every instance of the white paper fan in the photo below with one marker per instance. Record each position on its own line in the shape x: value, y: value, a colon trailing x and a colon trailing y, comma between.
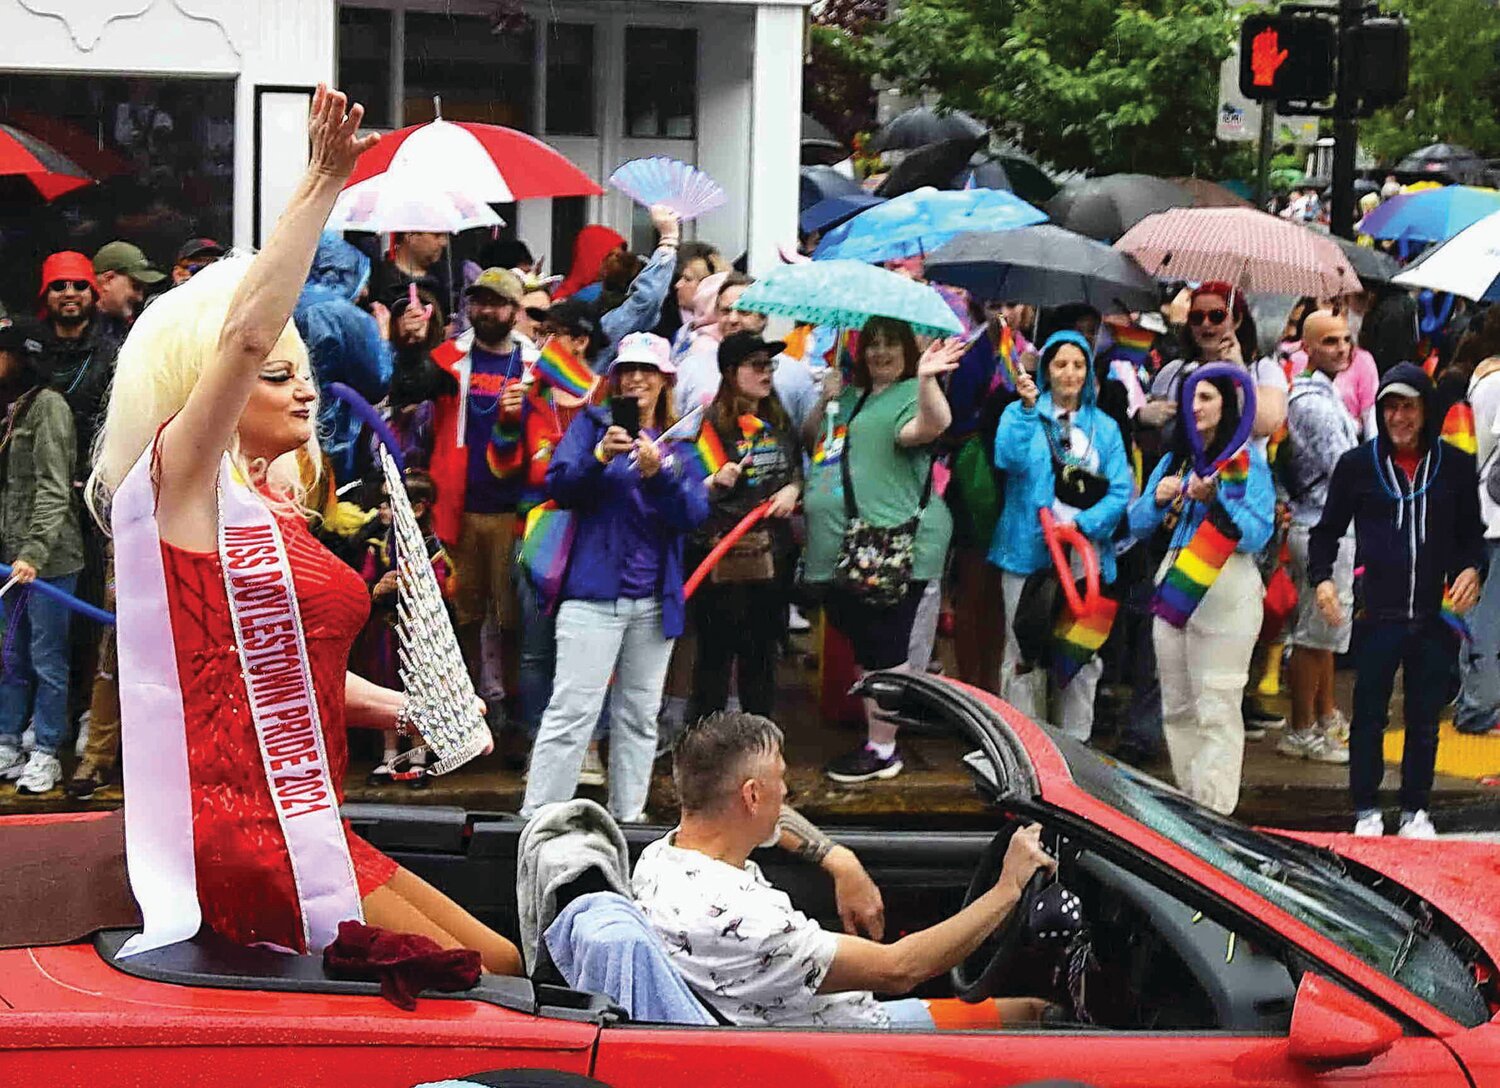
x: 686, y: 190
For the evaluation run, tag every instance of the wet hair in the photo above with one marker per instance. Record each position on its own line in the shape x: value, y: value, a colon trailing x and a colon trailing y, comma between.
x: 710, y: 759
x: 899, y: 331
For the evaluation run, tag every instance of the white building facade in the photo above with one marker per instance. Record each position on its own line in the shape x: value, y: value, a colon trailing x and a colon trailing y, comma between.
x: 191, y: 112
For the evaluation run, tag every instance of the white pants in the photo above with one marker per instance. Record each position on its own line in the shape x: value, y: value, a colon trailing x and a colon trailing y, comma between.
x: 1203, y: 669
x: 594, y: 640
x: 1027, y: 692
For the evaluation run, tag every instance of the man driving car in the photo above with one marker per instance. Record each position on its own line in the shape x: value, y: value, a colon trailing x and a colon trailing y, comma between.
x: 757, y: 959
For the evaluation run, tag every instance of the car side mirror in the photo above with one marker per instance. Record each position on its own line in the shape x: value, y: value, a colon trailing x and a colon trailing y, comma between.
x: 1332, y: 1028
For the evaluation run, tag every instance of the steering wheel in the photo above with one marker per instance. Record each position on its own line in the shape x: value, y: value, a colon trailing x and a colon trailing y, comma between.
x: 979, y: 976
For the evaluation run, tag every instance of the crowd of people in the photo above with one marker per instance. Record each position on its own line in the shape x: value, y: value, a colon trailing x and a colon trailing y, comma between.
x: 907, y: 483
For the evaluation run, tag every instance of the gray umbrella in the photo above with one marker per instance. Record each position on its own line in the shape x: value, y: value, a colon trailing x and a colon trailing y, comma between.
x: 1044, y: 265
x: 922, y: 126
x: 1105, y: 208
x: 1369, y: 264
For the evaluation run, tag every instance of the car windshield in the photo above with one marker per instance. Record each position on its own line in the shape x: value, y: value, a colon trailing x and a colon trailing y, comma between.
x: 1310, y: 883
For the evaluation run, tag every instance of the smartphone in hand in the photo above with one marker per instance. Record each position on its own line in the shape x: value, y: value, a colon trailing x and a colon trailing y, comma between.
x: 625, y: 412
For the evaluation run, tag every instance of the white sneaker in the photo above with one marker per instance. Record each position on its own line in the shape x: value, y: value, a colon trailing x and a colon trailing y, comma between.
x: 1314, y: 745
x: 12, y: 759
x: 42, y: 774
x: 592, y: 773
x: 1417, y: 825
x: 1335, y: 727
x: 1295, y: 742
x: 28, y: 739
x: 797, y: 623
x: 1370, y: 826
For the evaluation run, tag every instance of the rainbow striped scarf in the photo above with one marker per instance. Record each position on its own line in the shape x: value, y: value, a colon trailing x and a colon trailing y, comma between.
x: 1077, y: 638
x: 1196, y: 569
x: 1451, y: 617
x: 561, y: 369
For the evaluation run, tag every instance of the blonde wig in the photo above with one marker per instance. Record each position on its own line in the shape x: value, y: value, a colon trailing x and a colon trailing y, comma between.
x: 171, y: 343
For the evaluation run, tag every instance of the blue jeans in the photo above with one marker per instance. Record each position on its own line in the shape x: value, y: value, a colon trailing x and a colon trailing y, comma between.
x: 35, y: 679
x: 538, y: 660
x: 1424, y: 648
x: 1479, y: 660
x: 595, y: 639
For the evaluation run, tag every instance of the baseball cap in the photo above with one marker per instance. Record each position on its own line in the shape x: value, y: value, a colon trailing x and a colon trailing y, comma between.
x: 645, y: 349
x: 1398, y: 389
x: 20, y: 337
x: 498, y: 281
x: 572, y: 314
x: 124, y: 257
x: 737, y: 347
x: 198, y: 247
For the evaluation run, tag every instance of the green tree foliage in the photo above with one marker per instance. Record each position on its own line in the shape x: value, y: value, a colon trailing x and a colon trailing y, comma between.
x: 1099, y: 85
x: 1454, y: 95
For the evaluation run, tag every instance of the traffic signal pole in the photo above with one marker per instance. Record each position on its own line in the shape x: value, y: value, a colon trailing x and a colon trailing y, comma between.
x: 1345, y: 123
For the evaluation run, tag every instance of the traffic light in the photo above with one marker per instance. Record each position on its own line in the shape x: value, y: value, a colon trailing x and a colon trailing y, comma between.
x: 1379, y: 53
x: 1287, y: 58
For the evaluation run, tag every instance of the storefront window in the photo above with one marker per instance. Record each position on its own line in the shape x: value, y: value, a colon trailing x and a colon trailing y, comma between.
x: 161, y: 151
x: 365, y: 62
x: 481, y: 72
x: 661, y: 82
x: 570, y: 79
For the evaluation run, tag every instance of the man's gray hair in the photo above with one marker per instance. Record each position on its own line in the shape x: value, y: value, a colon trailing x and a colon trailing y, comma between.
x: 709, y: 759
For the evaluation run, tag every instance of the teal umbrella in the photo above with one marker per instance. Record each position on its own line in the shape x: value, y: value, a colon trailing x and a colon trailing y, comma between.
x: 846, y: 294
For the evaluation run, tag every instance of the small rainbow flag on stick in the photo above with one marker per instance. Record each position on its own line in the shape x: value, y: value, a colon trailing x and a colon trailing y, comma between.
x: 1077, y: 638
x: 1453, y: 619
x: 563, y: 370
x: 1131, y: 342
x: 1005, y: 351
x: 709, y: 450
x: 1234, y: 474
x: 1458, y: 428
x: 1196, y: 569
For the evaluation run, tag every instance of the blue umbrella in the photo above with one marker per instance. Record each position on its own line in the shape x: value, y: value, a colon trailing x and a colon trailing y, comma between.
x: 833, y: 210
x: 1431, y: 215
x: 915, y: 223
x: 846, y: 294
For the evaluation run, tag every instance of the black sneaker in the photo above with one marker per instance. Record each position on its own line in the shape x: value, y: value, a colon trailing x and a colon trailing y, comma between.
x: 1259, y: 718
x: 83, y: 788
x: 863, y: 765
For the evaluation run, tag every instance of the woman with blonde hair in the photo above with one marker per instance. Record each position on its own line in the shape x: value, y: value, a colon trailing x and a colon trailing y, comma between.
x: 235, y: 625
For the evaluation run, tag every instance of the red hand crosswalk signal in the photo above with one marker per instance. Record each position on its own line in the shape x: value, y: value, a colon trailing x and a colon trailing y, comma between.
x: 1287, y: 58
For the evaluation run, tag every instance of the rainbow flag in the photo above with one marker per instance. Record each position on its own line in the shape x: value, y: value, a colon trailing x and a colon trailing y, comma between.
x: 546, y: 541
x: 1008, y: 356
x: 750, y: 426
x: 827, y: 442
x: 563, y: 370
x: 1076, y: 639
x: 1197, y: 567
x: 1131, y: 342
x: 1453, y: 619
x: 1234, y: 474
x: 1458, y: 428
x: 708, y: 450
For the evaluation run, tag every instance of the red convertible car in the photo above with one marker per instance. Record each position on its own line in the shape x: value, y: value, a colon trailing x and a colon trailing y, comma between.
x: 1217, y: 955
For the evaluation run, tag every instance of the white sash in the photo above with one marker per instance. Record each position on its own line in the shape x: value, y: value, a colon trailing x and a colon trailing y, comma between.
x: 273, y: 659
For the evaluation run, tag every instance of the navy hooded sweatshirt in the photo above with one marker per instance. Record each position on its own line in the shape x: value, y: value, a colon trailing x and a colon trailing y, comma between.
x: 1412, y: 536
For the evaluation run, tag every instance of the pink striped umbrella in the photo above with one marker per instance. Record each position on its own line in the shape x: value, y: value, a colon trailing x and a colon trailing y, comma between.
x: 1257, y: 252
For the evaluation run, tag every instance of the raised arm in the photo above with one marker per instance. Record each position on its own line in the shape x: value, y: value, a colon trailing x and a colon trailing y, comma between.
x: 933, y: 413
x: 192, y: 443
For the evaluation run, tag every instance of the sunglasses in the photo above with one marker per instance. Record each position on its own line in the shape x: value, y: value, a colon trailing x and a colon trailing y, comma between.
x: 68, y: 285
x: 1213, y: 317
x: 761, y: 364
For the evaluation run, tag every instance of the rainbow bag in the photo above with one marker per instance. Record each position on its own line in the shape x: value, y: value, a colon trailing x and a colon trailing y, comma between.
x: 546, y: 541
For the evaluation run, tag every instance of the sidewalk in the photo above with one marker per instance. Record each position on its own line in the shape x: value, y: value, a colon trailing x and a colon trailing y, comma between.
x: 934, y: 789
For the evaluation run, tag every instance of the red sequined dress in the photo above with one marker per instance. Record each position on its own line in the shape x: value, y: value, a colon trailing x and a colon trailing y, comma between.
x: 245, y: 884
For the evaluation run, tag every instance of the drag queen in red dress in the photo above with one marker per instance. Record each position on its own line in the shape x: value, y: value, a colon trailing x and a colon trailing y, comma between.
x: 213, y: 409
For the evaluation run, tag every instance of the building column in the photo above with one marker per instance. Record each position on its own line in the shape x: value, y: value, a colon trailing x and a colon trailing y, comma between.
x: 775, y: 132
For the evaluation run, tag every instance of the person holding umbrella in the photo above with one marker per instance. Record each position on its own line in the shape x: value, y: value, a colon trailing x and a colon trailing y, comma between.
x: 872, y: 461
x: 1054, y: 433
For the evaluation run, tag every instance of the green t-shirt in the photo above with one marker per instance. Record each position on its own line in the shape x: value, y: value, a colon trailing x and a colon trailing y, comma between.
x: 888, y: 480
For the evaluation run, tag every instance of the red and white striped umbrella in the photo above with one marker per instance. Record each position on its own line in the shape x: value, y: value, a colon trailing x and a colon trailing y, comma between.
x: 1254, y: 251
x: 486, y: 163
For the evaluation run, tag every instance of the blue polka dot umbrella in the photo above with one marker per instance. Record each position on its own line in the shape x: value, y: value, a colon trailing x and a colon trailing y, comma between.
x: 846, y: 294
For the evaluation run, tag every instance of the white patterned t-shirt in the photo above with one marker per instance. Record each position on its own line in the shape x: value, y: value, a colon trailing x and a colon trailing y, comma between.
x: 742, y: 945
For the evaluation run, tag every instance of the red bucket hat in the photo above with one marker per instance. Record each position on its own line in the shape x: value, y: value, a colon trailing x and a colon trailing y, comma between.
x: 65, y: 265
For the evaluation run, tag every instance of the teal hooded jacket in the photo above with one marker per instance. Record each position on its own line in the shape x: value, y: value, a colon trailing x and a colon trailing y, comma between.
x: 1023, y: 453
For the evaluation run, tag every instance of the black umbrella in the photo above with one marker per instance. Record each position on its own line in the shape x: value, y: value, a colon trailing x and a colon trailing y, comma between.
x: 1105, y: 208
x: 820, y: 183
x: 819, y: 145
x: 922, y: 126
x: 1007, y: 169
x: 1369, y: 264
x: 935, y: 165
x: 1439, y: 161
x: 1044, y: 265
